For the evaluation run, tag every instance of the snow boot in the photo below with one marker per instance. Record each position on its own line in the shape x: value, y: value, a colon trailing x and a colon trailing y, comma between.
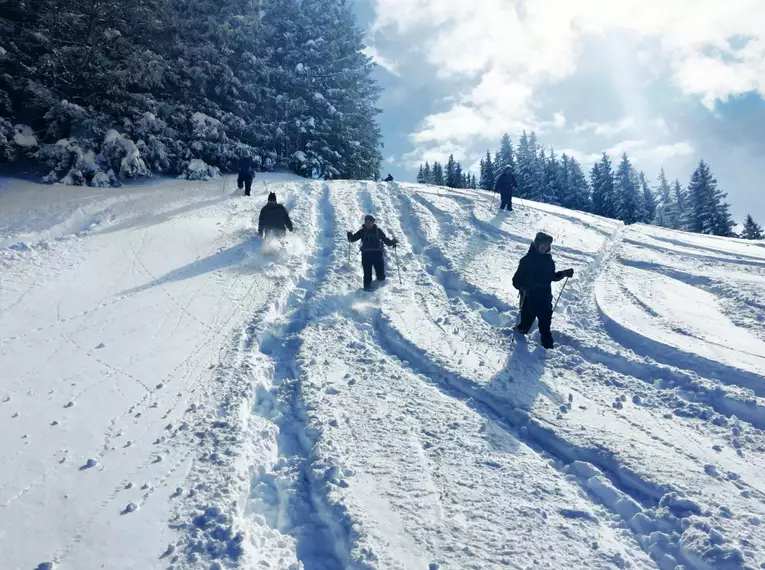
x: 547, y: 342
x: 519, y: 330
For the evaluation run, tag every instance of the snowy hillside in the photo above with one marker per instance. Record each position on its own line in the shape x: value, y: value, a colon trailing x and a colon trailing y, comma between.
x: 176, y: 394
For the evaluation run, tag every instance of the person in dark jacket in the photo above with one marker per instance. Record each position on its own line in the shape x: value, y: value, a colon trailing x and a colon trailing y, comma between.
x: 505, y: 185
x: 389, y: 178
x: 533, y: 279
x: 246, y: 174
x: 274, y: 219
x: 373, y: 239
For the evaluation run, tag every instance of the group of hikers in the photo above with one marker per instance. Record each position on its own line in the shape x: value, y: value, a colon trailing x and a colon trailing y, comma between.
x: 533, y: 279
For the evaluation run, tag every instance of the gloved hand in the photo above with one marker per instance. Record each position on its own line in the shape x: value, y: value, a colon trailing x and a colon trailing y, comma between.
x: 568, y: 273
x: 349, y: 235
x: 394, y: 243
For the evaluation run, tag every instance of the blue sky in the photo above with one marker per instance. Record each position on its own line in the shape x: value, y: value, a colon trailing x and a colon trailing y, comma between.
x: 667, y: 81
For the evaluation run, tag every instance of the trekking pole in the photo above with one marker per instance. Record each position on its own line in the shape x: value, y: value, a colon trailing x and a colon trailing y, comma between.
x: 494, y: 200
x: 349, y: 254
x: 559, y: 294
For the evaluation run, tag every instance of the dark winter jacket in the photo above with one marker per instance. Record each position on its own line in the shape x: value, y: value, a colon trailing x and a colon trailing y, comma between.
x: 535, y: 275
x: 274, y: 216
x: 246, y: 168
x: 505, y: 183
x: 371, y: 239
x: 388, y: 178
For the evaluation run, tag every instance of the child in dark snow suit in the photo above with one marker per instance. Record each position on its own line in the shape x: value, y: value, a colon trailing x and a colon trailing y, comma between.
x: 372, y: 241
x: 534, y: 277
x: 246, y: 174
x: 273, y: 218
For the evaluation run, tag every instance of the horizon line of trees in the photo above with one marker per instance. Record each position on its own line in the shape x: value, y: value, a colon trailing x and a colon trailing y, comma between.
x: 451, y: 176
x: 623, y: 193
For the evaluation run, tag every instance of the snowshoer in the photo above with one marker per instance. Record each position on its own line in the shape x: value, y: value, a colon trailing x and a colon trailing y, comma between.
x: 533, y: 279
x: 389, y: 178
x: 506, y: 185
x: 327, y: 176
x: 274, y: 219
x: 373, y: 239
x: 246, y: 174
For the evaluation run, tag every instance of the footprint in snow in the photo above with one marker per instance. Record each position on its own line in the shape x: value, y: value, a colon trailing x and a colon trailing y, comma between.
x: 89, y: 464
x: 45, y: 566
x: 131, y: 508
x: 100, y: 346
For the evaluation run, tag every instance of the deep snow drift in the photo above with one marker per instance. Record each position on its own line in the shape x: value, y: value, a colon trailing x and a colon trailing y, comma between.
x: 176, y: 393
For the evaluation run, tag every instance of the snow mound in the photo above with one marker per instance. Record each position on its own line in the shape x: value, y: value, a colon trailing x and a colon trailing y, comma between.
x: 198, y: 169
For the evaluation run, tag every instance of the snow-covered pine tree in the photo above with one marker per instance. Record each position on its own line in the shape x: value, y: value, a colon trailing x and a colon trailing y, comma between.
x: 451, y: 174
x: 626, y: 185
x: 649, y: 201
x: 473, y: 182
x: 578, y: 189
x: 427, y: 175
x: 529, y: 169
x: 666, y: 207
x: 707, y: 213
x: 421, y: 175
x: 438, y: 174
x: 553, y: 180
x: 604, y: 199
x: 487, y: 176
x: 752, y: 230
x: 506, y: 153
x: 680, y: 198
x: 187, y: 80
x: 459, y: 176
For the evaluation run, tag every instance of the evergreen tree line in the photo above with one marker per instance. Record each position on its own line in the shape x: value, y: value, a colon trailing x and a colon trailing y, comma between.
x: 452, y: 176
x: 141, y: 86
x: 623, y: 193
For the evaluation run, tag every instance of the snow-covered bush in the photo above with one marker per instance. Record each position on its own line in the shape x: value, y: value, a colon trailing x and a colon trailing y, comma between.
x: 61, y: 156
x: 7, y: 151
x: 198, y: 169
x: 24, y: 136
x: 67, y: 120
x: 122, y: 156
x: 207, y: 128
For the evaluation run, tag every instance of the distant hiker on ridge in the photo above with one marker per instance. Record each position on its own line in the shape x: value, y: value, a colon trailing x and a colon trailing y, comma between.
x: 505, y: 185
x: 388, y: 178
x: 246, y: 173
x: 274, y: 219
x: 533, y: 279
x: 372, y: 241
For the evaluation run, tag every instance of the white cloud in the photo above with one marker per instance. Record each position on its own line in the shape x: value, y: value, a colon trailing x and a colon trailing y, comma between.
x: 507, y: 51
x: 607, y: 129
x: 379, y: 59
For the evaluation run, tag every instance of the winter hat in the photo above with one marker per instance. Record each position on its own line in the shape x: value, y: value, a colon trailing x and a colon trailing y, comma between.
x: 272, y: 197
x: 542, y: 238
x: 369, y: 218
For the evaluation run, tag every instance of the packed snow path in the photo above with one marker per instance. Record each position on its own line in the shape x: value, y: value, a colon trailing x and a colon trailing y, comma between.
x: 176, y: 393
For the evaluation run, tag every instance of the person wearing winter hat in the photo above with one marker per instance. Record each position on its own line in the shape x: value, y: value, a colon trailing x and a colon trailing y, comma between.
x: 533, y: 279
x: 373, y: 239
x: 274, y: 219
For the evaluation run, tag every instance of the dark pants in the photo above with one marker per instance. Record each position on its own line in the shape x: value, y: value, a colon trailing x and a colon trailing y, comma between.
x: 369, y: 260
x: 246, y: 182
x: 506, y: 202
x: 537, y: 307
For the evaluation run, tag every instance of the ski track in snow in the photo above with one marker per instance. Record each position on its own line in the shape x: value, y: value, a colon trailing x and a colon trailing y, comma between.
x: 187, y: 397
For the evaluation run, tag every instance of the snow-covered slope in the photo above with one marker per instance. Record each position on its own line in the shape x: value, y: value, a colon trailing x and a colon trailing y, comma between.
x: 175, y: 393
